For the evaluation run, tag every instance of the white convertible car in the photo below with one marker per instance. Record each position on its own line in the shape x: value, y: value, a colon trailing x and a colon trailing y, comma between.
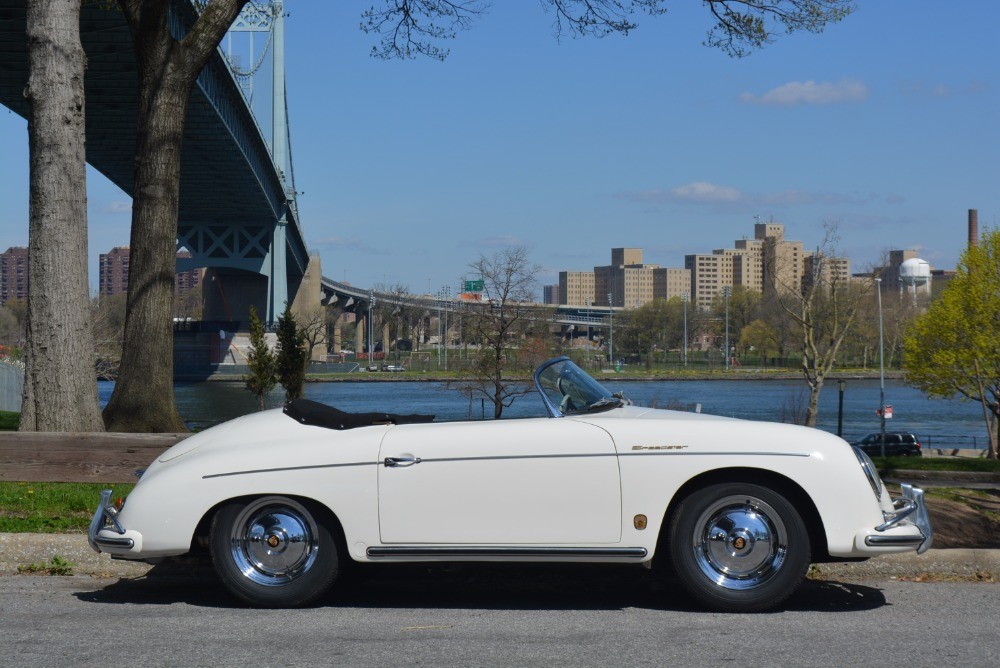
x: 737, y: 510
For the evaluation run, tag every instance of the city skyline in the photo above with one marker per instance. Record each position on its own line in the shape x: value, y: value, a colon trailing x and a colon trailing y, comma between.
x: 409, y: 170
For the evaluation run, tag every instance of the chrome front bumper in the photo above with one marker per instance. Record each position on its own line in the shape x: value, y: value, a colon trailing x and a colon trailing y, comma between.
x: 910, y: 507
x: 106, y: 517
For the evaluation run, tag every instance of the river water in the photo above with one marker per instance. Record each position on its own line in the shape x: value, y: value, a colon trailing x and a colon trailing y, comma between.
x: 937, y: 422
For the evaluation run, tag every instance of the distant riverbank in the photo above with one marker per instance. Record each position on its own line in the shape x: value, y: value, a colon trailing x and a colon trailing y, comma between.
x: 628, y: 375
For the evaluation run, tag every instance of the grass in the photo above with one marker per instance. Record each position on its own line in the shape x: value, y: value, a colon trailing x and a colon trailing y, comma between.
x: 51, y: 507
x: 58, y: 566
x: 9, y: 420
x: 937, y: 464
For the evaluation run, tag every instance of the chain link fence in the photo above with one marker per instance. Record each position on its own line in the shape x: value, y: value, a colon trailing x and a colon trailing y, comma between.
x: 11, y: 385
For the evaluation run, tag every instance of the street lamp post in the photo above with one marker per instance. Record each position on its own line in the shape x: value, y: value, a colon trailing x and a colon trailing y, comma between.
x: 611, y: 338
x: 439, y: 328
x: 447, y: 297
x: 371, y: 326
x: 881, y: 367
x: 840, y: 409
x: 685, y: 298
x: 588, y: 329
x: 726, y: 291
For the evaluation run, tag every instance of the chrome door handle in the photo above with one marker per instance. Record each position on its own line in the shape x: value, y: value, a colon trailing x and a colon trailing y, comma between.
x: 401, y: 461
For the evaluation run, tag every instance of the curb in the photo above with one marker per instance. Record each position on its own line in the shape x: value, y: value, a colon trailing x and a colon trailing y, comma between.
x: 31, y: 548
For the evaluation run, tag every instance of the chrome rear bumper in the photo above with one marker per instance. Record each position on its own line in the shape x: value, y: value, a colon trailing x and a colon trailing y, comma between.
x: 910, y: 507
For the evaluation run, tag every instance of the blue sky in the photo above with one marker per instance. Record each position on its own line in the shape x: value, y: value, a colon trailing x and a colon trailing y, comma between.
x: 886, y: 123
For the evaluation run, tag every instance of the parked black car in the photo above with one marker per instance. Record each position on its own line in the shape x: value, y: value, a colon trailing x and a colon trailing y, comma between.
x: 897, y: 444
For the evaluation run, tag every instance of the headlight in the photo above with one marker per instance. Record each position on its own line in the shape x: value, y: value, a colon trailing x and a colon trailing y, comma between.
x: 868, y: 466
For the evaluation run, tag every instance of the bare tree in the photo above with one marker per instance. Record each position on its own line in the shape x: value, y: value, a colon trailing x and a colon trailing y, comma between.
x: 312, y: 323
x: 409, y: 28
x: 497, y: 325
x: 59, y: 389
x: 143, y: 399
x: 108, y: 326
x: 823, y: 307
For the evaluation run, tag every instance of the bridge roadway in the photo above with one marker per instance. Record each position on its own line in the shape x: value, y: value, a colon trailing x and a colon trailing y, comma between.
x: 356, y: 299
x: 231, y: 192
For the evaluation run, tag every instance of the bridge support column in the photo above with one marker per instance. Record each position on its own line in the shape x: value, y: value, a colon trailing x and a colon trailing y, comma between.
x: 359, y: 333
x: 277, y: 281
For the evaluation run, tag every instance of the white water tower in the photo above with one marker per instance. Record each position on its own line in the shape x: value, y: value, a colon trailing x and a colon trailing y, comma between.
x: 916, y: 275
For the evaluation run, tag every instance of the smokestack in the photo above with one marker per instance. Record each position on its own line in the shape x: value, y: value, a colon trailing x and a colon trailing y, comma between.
x: 973, y: 228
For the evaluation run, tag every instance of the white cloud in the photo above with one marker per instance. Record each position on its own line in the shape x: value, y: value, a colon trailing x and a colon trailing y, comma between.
x: 810, y: 92
x: 118, y: 206
x: 699, y: 192
x: 351, y: 244
x: 730, y: 198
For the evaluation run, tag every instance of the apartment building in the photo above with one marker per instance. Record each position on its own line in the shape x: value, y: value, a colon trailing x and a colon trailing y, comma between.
x: 14, y: 274
x: 114, y: 270
x: 576, y: 288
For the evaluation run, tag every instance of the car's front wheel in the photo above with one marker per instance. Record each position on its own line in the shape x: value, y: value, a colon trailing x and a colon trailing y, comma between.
x: 274, y: 551
x: 738, y: 547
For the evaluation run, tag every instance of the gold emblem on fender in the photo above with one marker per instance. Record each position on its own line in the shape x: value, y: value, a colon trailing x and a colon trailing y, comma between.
x: 639, y: 521
x: 659, y: 447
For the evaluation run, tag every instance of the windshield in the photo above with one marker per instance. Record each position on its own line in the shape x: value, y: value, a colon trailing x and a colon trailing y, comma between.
x: 569, y: 390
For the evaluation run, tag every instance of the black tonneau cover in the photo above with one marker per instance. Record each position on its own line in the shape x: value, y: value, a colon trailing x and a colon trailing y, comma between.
x: 316, y: 414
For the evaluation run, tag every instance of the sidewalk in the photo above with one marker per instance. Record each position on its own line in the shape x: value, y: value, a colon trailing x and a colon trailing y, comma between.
x: 31, y: 548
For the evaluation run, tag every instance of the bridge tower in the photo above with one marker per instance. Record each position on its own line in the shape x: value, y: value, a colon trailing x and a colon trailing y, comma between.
x: 269, y: 18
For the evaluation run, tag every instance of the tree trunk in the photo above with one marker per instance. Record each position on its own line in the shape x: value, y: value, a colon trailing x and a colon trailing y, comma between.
x: 812, y: 410
x: 143, y: 400
x: 60, y: 386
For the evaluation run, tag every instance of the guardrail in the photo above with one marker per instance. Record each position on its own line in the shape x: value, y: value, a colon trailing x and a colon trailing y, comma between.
x: 79, y: 457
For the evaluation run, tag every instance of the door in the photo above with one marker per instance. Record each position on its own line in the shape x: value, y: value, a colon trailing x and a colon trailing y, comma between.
x: 542, y: 481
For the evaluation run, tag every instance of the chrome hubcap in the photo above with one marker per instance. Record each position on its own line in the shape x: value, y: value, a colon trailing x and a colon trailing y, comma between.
x: 274, y: 541
x: 740, y: 542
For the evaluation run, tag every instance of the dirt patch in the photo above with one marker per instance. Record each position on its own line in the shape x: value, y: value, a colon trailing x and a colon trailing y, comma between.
x: 964, y: 518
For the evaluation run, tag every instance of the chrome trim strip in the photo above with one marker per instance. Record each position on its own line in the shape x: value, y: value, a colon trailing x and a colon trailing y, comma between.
x: 511, y: 457
x: 289, y: 468
x: 114, y: 542
x: 731, y: 453
x: 890, y: 541
x: 420, y: 551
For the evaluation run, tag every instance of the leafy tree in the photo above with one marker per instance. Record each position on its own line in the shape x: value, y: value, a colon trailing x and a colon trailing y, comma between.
x: 292, y: 356
x: 509, y: 287
x: 143, y: 399
x: 656, y: 325
x: 953, y: 348
x: 761, y: 337
x: 60, y: 393
x: 744, y: 308
x: 262, y: 366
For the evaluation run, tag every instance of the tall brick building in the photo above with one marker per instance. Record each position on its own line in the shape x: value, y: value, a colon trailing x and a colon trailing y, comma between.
x: 14, y: 274
x: 114, y: 267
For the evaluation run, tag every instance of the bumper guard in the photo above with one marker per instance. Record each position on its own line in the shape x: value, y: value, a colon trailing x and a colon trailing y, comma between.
x: 910, y: 506
x: 106, y: 517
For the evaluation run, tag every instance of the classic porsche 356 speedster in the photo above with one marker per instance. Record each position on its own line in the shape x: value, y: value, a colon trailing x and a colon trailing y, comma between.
x: 736, y: 509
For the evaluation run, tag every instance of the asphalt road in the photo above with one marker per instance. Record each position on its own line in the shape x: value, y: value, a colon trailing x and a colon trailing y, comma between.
x: 586, y: 616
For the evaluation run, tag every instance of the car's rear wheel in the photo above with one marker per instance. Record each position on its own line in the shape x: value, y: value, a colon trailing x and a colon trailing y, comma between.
x: 274, y: 551
x: 738, y: 547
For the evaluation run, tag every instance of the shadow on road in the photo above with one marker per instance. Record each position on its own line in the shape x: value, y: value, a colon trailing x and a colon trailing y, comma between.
x: 483, y: 587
